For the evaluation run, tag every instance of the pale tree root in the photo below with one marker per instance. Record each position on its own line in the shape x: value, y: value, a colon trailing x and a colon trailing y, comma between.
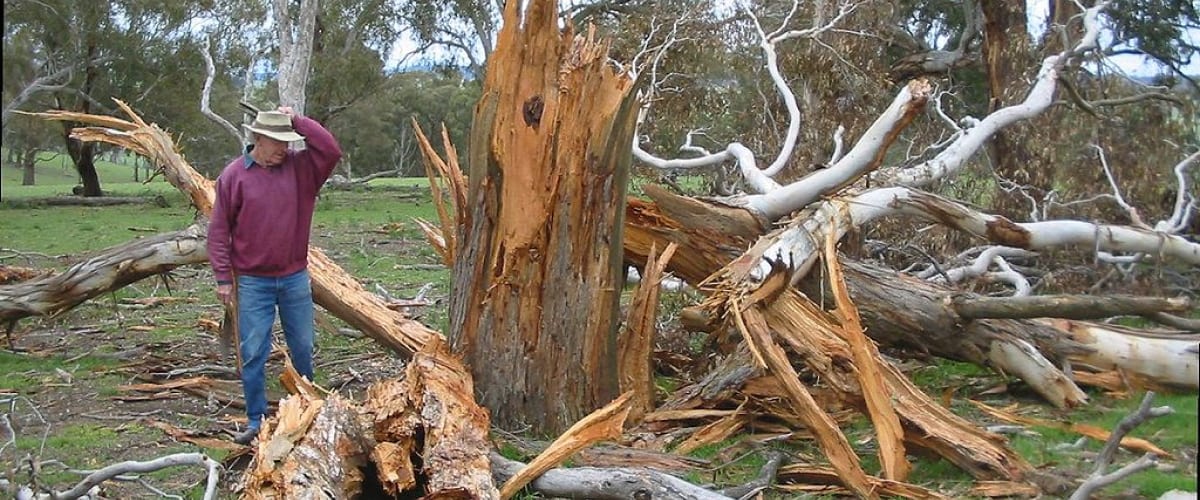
x: 1100, y: 478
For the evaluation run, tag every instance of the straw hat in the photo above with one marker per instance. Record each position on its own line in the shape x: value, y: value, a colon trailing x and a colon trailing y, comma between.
x: 275, y: 125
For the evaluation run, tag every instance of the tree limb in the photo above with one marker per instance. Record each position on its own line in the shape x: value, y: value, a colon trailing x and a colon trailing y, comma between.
x: 111, y: 471
x: 1065, y: 306
x: 1099, y: 479
x: 206, y: 93
x: 1040, y: 97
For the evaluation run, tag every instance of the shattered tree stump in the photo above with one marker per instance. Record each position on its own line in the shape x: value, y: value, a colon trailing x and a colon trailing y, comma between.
x: 536, y: 275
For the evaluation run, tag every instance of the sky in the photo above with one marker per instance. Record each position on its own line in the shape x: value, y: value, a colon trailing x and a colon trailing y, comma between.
x: 1130, y: 63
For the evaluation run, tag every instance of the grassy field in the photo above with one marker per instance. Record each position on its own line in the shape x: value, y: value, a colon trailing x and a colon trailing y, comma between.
x: 65, y: 379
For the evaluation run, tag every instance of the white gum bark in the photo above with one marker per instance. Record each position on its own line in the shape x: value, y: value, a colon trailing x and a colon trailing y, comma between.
x: 1168, y: 359
x: 864, y: 156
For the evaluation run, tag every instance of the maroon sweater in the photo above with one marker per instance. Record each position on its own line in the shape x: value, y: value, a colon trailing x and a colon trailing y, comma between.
x: 263, y: 216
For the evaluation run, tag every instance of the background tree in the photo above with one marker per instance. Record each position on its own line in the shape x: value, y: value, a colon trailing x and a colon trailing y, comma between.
x: 125, y: 48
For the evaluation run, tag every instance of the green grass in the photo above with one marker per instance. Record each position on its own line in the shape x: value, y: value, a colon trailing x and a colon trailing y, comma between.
x: 77, y: 230
x: 19, y: 372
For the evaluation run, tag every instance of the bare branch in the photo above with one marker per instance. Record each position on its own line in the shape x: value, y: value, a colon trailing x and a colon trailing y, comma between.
x: 1066, y: 306
x: 1035, y: 235
x: 1133, y: 213
x: 1185, y: 324
x: 132, y: 466
x: 866, y: 155
x: 206, y: 94
x: 1099, y: 479
x: 1009, y: 275
x: 1040, y: 97
x: 1185, y: 202
x: 837, y: 145
x: 978, y: 267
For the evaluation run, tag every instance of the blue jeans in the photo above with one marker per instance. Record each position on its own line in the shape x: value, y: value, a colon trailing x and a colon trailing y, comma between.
x: 257, y: 299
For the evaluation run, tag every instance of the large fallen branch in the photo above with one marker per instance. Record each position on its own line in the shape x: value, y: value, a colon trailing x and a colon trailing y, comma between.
x: 1066, y: 306
x: 85, y: 201
x: 896, y: 310
x: 108, y: 270
x: 343, y: 296
x: 333, y: 288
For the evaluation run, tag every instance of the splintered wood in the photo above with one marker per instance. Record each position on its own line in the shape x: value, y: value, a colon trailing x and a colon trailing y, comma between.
x: 603, y: 424
x: 635, y: 343
x: 870, y: 379
x: 443, y: 236
x: 431, y: 415
x: 314, y: 449
x: 422, y: 433
x: 537, y: 238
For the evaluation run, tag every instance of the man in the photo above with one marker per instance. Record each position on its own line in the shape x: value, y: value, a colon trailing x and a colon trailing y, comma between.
x: 258, y: 244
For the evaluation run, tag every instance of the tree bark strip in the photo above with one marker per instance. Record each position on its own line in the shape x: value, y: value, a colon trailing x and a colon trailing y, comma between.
x: 603, y: 424
x: 537, y: 270
x: 876, y: 396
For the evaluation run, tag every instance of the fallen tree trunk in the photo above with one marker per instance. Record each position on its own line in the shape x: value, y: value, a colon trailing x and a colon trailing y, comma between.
x: 108, y: 270
x: 1148, y: 360
x: 1065, y: 306
x: 333, y: 288
x: 897, y: 310
x: 95, y: 201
